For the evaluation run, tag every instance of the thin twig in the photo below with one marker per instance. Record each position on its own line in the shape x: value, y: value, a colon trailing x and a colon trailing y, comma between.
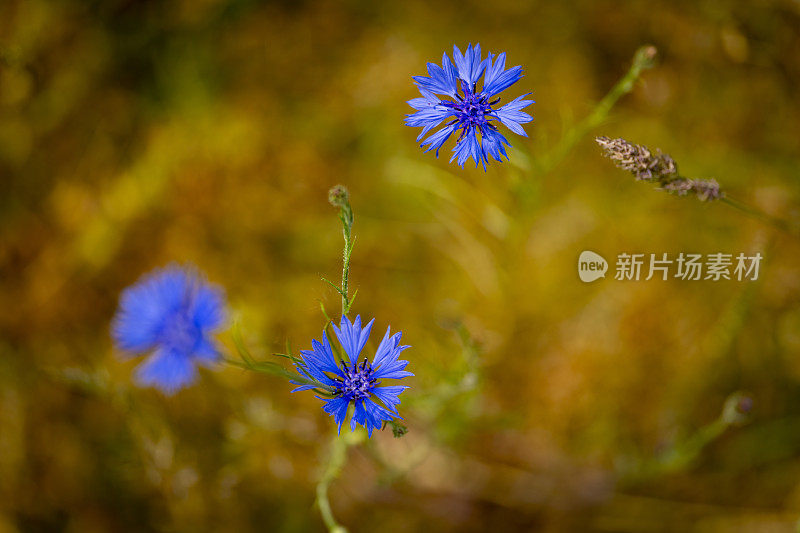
x: 643, y: 59
x: 775, y: 222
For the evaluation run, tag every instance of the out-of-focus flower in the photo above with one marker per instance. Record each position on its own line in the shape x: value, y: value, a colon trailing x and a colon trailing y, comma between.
x: 472, y: 112
x: 352, y: 381
x: 170, y: 313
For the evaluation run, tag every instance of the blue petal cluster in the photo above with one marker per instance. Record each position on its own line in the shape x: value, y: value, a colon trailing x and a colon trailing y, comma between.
x: 470, y: 111
x: 170, y: 313
x: 354, y: 381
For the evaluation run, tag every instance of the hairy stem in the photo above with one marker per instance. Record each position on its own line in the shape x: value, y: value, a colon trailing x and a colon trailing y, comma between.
x: 339, y: 197
x: 347, y: 225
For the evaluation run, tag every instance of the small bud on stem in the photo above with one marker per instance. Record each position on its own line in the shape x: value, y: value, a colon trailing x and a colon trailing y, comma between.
x: 339, y: 197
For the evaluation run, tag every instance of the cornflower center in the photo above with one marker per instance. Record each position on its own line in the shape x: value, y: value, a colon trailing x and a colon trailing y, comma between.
x: 471, y: 110
x: 357, y: 381
x: 181, y: 334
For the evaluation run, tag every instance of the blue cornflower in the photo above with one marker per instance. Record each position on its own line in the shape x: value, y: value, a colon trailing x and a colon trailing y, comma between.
x: 171, y: 313
x: 471, y: 111
x: 352, y: 381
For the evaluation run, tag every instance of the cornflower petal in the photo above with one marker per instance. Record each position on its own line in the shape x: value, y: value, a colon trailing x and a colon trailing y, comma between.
x: 352, y: 337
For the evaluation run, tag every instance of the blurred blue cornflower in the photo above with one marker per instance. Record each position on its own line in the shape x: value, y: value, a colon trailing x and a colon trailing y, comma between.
x: 352, y: 381
x: 171, y: 313
x: 471, y: 111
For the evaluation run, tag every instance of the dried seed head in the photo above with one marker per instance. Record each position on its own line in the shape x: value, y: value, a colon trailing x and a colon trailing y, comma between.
x: 705, y: 190
x: 638, y: 160
x: 658, y: 167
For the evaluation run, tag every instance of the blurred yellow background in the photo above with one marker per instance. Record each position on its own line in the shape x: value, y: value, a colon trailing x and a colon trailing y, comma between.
x: 133, y: 134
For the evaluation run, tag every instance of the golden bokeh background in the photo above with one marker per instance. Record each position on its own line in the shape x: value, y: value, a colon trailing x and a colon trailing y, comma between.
x: 138, y: 133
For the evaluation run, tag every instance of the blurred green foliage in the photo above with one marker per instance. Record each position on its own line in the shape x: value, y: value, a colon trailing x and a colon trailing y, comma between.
x: 134, y: 133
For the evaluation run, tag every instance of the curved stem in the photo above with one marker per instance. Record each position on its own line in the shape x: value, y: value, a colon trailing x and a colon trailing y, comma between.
x: 332, y: 470
x: 643, y: 59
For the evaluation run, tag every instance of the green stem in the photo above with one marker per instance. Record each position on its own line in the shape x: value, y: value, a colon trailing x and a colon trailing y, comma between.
x: 643, y: 59
x: 347, y: 224
x: 775, y: 222
x: 735, y: 412
x: 339, y: 197
x: 336, y: 462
